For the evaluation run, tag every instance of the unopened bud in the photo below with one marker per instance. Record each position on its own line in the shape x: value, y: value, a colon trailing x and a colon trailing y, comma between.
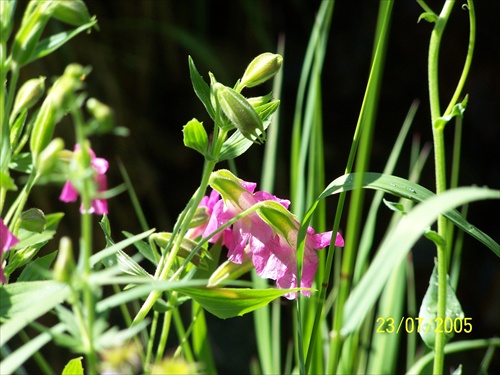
x: 35, y: 18
x: 65, y: 264
x: 72, y: 12
x: 49, y: 156
x: 262, y: 68
x: 6, y: 19
x: 28, y: 95
x: 240, y: 112
x: 54, y: 107
x: 102, y: 114
x: 33, y: 220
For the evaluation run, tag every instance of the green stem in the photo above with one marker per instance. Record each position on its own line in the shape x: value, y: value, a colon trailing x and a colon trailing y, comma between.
x: 440, y: 171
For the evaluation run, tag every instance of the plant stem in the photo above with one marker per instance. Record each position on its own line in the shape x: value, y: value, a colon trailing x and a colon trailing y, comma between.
x: 440, y: 171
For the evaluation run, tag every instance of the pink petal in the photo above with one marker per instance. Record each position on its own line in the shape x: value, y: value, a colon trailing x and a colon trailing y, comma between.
x: 68, y: 193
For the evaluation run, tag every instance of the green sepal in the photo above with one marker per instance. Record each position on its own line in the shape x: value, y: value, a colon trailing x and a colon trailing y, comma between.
x: 195, y: 136
x: 73, y: 367
x: 228, y: 185
x: 280, y: 219
x: 201, y: 88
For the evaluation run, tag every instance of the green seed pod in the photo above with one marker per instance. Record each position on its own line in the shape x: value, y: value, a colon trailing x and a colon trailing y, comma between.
x: 262, y: 68
x: 72, y: 12
x: 33, y: 220
x: 65, y: 264
x: 28, y: 95
x: 49, y: 156
x: 240, y: 112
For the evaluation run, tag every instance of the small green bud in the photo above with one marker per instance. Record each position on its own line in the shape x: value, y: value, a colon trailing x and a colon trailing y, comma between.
x: 72, y: 12
x: 240, y: 112
x: 6, y: 19
x: 229, y: 271
x: 54, y: 107
x: 195, y: 136
x: 102, y: 114
x: 34, y: 20
x: 28, y: 95
x: 187, y: 246
x: 33, y: 220
x: 65, y: 264
x: 262, y: 68
x: 49, y: 156
x: 200, y: 217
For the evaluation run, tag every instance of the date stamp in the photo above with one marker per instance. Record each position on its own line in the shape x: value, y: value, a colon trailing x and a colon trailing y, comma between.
x: 410, y: 325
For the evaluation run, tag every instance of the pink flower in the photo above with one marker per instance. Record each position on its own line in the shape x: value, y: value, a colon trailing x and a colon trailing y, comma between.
x: 7, y: 240
x: 273, y: 256
x: 209, y: 202
x: 70, y: 194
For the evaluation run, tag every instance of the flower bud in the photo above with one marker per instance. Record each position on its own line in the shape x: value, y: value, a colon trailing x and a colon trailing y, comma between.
x: 65, y: 264
x: 72, y: 12
x: 262, y: 68
x: 230, y: 271
x: 54, y: 107
x: 49, y: 156
x: 28, y: 95
x: 6, y: 19
x: 35, y: 18
x: 33, y: 220
x: 102, y: 113
x: 240, y: 112
x: 187, y: 246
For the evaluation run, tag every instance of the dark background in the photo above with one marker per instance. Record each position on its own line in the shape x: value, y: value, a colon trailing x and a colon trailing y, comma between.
x: 139, y: 61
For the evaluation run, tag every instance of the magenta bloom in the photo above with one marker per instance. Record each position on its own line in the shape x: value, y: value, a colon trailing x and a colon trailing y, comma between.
x: 273, y: 256
x: 70, y: 194
x: 7, y: 240
x: 209, y: 202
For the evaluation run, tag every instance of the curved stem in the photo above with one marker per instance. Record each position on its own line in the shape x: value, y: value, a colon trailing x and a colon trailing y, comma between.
x: 440, y: 170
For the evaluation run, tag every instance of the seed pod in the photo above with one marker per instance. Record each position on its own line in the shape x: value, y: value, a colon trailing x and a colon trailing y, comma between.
x: 240, y: 112
x: 102, y: 113
x: 262, y: 68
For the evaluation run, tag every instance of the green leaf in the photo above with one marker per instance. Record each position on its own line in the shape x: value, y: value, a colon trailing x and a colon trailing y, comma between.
x: 406, y: 189
x: 457, y: 110
x: 430, y: 17
x: 195, y: 136
x: 396, y: 246
x: 33, y: 220
x: 34, y: 269
x: 429, y: 308
x: 6, y: 182
x: 23, y: 302
x: 22, y: 163
x: 73, y: 367
x: 230, y: 302
x: 50, y: 44
x: 201, y: 88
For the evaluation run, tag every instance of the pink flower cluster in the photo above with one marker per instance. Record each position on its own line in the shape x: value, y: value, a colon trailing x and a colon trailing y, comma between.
x: 70, y: 194
x: 7, y: 240
x: 273, y: 256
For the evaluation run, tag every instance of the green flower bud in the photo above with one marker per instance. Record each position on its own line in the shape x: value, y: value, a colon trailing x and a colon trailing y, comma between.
x: 6, y: 19
x: 72, y: 12
x: 187, y: 246
x: 262, y: 68
x: 195, y: 136
x: 201, y: 217
x: 33, y: 220
x: 28, y: 95
x: 35, y: 18
x: 240, y: 112
x: 65, y: 264
x: 54, y: 107
x: 49, y: 156
x: 229, y: 271
x: 102, y: 113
